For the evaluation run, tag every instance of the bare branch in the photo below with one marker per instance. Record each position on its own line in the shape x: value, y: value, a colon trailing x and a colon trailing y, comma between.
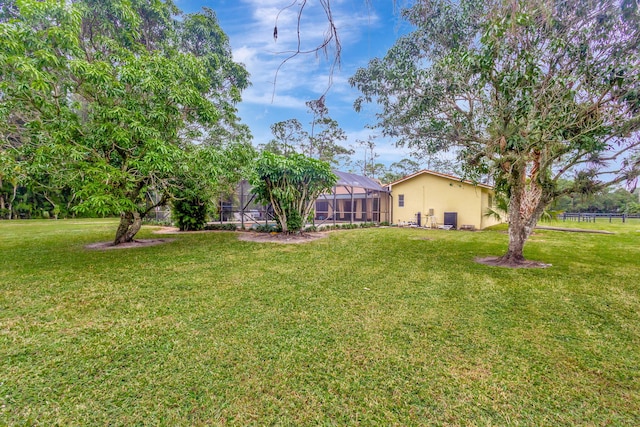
x: 330, y: 38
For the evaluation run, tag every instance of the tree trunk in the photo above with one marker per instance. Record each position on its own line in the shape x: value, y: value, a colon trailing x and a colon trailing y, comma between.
x: 2, y: 203
x: 55, y: 215
x: 518, y: 235
x: 281, y: 215
x: 130, y: 224
x: 12, y: 199
x: 526, y: 204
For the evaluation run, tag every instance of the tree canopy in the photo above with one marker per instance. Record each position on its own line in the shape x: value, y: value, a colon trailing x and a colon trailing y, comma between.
x: 528, y: 91
x: 108, y: 97
x: 321, y: 142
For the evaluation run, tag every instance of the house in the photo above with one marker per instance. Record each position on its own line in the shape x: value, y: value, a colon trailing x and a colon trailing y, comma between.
x: 432, y: 199
x: 425, y: 198
x: 353, y: 199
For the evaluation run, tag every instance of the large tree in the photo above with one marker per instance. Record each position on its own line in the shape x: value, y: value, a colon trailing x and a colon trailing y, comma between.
x: 113, y: 94
x: 530, y: 91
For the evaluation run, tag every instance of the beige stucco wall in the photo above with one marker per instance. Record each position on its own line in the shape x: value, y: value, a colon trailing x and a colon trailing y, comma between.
x: 425, y: 191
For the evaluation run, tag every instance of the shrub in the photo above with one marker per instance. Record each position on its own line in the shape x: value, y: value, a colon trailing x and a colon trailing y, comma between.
x: 189, y: 213
x: 267, y: 228
x: 153, y: 221
x: 368, y: 224
x: 348, y: 226
x: 23, y: 210
x: 294, y: 220
x: 227, y: 226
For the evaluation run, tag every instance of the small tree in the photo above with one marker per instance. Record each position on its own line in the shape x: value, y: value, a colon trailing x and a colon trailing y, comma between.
x: 291, y: 185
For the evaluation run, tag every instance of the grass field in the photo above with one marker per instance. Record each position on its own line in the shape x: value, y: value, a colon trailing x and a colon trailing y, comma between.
x: 366, y: 327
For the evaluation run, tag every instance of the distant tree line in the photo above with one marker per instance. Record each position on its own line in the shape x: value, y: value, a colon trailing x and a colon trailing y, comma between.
x: 610, y: 200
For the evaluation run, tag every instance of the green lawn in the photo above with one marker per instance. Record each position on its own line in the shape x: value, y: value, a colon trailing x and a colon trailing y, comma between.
x: 366, y: 327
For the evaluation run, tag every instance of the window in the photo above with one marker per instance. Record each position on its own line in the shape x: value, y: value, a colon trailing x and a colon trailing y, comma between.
x: 490, y: 201
x: 401, y: 200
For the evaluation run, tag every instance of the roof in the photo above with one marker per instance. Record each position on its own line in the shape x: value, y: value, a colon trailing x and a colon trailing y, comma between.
x: 441, y: 175
x: 352, y: 180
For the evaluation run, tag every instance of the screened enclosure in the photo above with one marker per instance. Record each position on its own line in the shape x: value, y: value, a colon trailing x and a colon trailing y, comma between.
x: 353, y: 199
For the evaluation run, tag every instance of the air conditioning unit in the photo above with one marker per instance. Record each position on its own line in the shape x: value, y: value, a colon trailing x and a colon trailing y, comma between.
x: 451, y: 219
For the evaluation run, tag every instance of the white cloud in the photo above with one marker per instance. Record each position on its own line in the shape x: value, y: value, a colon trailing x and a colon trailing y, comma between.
x: 262, y: 55
x: 307, y: 76
x: 278, y: 101
x: 246, y: 55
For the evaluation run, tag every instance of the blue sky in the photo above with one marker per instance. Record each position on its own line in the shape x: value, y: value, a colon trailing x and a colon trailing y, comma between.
x: 367, y: 28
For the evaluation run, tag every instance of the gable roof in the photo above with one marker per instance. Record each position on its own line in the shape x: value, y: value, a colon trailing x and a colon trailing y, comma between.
x: 346, y: 179
x: 441, y: 175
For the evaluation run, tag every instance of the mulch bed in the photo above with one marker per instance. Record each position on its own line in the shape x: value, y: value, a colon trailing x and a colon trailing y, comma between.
x: 496, y: 262
x: 138, y: 243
